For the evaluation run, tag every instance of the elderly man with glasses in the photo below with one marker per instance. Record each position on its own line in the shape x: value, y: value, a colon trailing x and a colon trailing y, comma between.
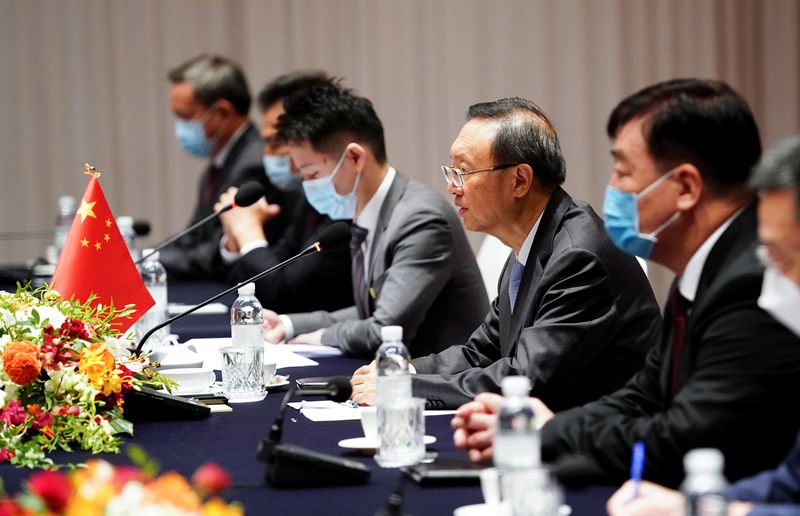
x: 574, y: 314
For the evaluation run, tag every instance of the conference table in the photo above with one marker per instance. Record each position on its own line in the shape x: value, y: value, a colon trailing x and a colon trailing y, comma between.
x: 231, y: 440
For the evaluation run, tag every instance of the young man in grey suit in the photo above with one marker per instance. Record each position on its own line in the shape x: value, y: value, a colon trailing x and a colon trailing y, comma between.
x: 411, y: 263
x: 725, y: 374
x: 574, y: 313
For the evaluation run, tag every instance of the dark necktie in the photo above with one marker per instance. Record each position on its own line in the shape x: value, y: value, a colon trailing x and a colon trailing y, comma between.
x: 210, y: 185
x: 679, y: 315
x: 513, y: 282
x: 360, y: 293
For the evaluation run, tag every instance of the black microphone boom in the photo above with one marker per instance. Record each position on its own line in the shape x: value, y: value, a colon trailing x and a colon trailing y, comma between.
x: 248, y: 194
x: 329, y: 235
x: 337, y: 389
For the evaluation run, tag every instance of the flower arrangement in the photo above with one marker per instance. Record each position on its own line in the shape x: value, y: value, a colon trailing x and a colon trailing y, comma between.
x: 64, y: 373
x: 103, y: 489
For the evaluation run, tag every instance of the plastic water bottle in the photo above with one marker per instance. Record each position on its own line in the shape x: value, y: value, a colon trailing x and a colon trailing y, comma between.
x: 247, y: 319
x: 705, y: 484
x: 64, y: 218
x: 125, y: 225
x: 393, y: 386
x: 516, y: 442
x: 155, y: 279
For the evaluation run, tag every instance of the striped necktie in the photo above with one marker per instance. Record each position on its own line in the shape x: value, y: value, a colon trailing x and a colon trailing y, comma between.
x: 360, y: 294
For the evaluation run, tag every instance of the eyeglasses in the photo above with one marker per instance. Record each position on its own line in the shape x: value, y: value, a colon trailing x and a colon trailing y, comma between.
x: 455, y: 176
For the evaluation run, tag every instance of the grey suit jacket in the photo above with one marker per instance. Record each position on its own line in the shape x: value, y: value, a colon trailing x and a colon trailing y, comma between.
x: 423, y: 275
x: 585, y: 318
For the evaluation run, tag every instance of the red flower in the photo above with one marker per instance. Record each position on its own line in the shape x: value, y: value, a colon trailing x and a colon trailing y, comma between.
x: 125, y: 474
x: 10, y: 507
x: 13, y: 414
x: 211, y: 478
x: 42, y: 420
x: 52, y: 487
x: 6, y: 454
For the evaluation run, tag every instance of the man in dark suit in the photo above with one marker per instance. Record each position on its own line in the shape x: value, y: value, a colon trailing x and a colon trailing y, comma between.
x: 574, y: 314
x: 776, y: 491
x: 412, y: 265
x: 726, y: 374
x: 210, y: 99
x: 245, y: 246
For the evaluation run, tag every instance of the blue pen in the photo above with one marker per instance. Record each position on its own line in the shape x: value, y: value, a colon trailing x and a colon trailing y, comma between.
x: 637, y: 466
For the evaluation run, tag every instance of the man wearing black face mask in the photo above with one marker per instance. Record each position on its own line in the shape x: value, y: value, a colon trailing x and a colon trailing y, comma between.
x: 210, y: 99
x: 245, y: 246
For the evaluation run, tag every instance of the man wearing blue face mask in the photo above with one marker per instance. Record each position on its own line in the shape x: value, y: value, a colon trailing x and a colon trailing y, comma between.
x: 210, y: 100
x: 245, y: 246
x: 411, y: 263
x: 725, y: 374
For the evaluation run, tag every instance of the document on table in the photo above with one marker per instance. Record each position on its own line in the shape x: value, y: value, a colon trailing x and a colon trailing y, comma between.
x: 312, y: 350
x: 327, y: 410
x: 212, y: 308
x: 282, y: 355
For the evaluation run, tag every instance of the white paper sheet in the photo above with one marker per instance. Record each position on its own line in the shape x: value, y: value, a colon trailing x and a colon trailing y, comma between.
x: 213, y: 308
x: 312, y: 350
x: 283, y: 357
x: 331, y: 411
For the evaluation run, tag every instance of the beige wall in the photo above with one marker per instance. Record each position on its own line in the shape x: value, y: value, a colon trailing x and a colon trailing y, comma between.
x: 85, y: 80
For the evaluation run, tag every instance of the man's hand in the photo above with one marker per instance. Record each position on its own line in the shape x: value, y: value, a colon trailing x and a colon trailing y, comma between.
x: 274, y: 331
x: 475, y: 423
x: 314, y: 338
x: 363, y: 382
x: 542, y: 413
x: 652, y: 500
x: 243, y: 225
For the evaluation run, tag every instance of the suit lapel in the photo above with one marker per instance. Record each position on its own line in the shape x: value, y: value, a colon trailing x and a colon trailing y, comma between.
x: 379, y: 242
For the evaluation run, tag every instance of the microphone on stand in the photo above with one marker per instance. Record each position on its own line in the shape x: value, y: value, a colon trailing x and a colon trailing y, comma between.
x: 334, y: 233
x: 248, y: 194
x: 396, y: 500
x: 293, y: 466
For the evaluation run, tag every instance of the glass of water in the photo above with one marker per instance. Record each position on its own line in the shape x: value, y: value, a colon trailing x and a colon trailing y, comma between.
x: 401, y: 432
x: 243, y: 373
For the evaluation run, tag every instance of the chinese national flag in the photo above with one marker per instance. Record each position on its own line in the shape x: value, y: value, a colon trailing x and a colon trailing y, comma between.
x: 95, y: 260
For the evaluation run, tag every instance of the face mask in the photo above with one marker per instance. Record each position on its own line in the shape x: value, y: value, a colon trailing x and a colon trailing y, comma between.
x: 324, y: 198
x: 192, y: 138
x: 279, y: 172
x: 621, y: 213
x: 780, y: 297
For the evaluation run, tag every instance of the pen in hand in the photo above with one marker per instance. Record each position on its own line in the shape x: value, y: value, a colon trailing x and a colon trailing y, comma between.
x: 637, y: 467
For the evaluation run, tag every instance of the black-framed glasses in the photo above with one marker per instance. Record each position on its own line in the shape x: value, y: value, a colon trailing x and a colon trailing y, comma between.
x: 455, y: 176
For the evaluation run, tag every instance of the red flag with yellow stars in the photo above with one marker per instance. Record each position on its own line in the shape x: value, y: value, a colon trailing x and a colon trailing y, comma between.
x: 95, y: 260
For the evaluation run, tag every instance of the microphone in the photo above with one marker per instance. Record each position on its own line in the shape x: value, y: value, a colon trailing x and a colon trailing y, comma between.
x: 141, y: 228
x: 289, y: 465
x: 334, y: 233
x: 248, y: 194
x: 394, y: 504
x: 337, y: 389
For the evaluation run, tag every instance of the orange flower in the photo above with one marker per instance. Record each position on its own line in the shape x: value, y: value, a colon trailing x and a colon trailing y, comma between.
x: 173, y: 488
x: 98, y: 364
x: 21, y: 362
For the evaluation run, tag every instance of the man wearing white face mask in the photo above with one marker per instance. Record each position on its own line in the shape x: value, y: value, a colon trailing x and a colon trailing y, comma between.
x: 412, y: 265
x: 210, y: 100
x: 773, y: 492
x: 245, y: 244
x: 725, y: 374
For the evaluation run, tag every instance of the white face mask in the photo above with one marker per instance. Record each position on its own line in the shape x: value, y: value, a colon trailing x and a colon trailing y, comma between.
x: 780, y: 297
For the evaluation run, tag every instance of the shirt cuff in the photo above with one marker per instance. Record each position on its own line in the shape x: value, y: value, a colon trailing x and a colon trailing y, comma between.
x: 255, y: 244
x: 288, y: 327
x: 227, y: 256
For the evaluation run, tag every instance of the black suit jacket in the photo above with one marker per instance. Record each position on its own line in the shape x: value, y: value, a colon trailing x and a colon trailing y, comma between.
x: 320, y: 281
x: 738, y: 390
x: 197, y: 254
x: 584, y: 320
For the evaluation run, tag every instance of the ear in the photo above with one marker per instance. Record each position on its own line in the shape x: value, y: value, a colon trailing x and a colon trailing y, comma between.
x: 691, y: 186
x: 522, y: 177
x: 357, y: 153
x: 225, y: 108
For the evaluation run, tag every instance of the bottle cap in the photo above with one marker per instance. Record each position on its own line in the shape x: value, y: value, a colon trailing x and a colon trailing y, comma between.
x: 150, y: 255
x: 247, y: 290
x: 704, y: 460
x: 391, y: 333
x: 516, y: 386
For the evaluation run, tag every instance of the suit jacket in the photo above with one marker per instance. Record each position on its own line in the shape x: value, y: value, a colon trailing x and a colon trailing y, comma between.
x: 585, y: 318
x: 423, y: 275
x: 738, y: 387
x: 319, y: 281
x: 197, y: 254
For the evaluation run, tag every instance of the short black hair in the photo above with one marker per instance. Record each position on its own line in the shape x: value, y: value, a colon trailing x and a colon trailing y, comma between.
x: 282, y: 86
x: 702, y: 122
x: 779, y: 169
x: 214, y: 78
x: 329, y: 117
x: 524, y: 135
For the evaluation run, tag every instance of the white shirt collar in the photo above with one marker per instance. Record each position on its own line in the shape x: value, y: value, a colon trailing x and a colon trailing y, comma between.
x: 368, y: 218
x: 694, y: 268
x: 219, y: 157
x: 525, y: 250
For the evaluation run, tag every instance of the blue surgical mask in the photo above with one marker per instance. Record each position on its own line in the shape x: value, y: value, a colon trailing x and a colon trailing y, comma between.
x: 780, y: 297
x: 621, y: 213
x: 279, y: 172
x: 192, y: 138
x: 324, y: 198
